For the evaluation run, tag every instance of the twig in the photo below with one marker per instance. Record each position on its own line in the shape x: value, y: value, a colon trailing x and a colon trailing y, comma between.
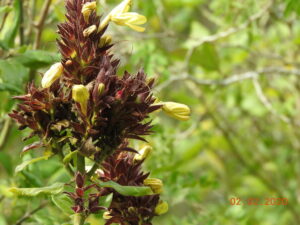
x: 22, y: 23
x: 31, y: 15
x: 232, y: 79
x: 264, y: 100
x: 4, y: 131
x: 27, y: 215
x: 5, y: 17
x: 40, y: 24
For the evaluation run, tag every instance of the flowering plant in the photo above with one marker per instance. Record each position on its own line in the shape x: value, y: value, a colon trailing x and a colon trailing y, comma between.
x: 85, y: 112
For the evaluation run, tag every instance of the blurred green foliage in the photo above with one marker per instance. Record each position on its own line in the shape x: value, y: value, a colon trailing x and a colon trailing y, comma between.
x: 235, y: 63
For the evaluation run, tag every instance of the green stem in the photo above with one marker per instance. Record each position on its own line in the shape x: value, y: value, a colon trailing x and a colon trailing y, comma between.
x: 80, y: 218
x: 4, y: 131
x: 80, y: 163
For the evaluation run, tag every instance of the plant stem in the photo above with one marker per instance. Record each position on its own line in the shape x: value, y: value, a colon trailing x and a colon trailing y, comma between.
x: 80, y: 218
x: 4, y: 131
x: 41, y: 22
x: 80, y: 163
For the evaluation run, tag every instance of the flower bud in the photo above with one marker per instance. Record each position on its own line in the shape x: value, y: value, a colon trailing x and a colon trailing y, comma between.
x: 143, y: 153
x: 106, y: 215
x: 177, y: 110
x: 105, y: 40
x: 101, y: 88
x: 52, y: 75
x: 87, y: 9
x: 155, y: 184
x: 88, y: 31
x: 132, y: 210
x: 161, y: 208
x: 81, y: 95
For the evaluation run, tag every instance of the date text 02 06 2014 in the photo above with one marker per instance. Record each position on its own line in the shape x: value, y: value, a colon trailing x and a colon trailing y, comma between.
x: 259, y: 201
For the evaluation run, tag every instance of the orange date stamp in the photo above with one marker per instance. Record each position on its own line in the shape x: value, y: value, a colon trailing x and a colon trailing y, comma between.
x: 259, y: 201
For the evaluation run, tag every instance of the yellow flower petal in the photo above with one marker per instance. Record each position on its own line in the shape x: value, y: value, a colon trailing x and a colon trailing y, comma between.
x: 123, y: 7
x: 88, y: 31
x: 131, y: 20
x: 161, y: 208
x: 122, y: 17
x: 136, y: 28
x: 177, y: 110
x: 87, y: 9
x: 81, y: 95
x: 52, y: 75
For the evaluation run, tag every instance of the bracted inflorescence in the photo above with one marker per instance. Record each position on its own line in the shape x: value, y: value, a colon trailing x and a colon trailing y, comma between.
x: 85, y: 105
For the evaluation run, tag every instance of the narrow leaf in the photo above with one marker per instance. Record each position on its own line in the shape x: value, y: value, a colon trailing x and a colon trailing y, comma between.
x: 28, y: 162
x: 127, y: 190
x: 37, y: 59
x: 32, y: 192
x: 63, y: 202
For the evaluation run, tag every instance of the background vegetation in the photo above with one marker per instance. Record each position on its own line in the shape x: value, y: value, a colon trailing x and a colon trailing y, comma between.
x: 234, y: 62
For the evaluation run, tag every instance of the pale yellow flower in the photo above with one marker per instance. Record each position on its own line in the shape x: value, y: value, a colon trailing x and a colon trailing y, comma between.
x: 130, y: 19
x: 101, y: 88
x: 105, y: 40
x: 143, y: 153
x: 81, y: 95
x: 106, y: 215
x: 161, y: 208
x: 88, y: 31
x: 155, y: 184
x: 121, y: 16
x: 52, y: 75
x: 123, y: 7
x: 177, y: 110
x: 87, y: 9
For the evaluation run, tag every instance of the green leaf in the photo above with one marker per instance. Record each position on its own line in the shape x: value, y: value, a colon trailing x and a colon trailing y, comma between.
x: 6, y: 162
x: 37, y: 59
x: 28, y: 162
x: 33, y: 192
x: 10, y: 88
x: 10, y: 35
x: 12, y: 76
x: 207, y: 56
x: 32, y: 179
x: 127, y: 190
x: 105, y: 201
x: 292, y: 6
x: 63, y: 202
